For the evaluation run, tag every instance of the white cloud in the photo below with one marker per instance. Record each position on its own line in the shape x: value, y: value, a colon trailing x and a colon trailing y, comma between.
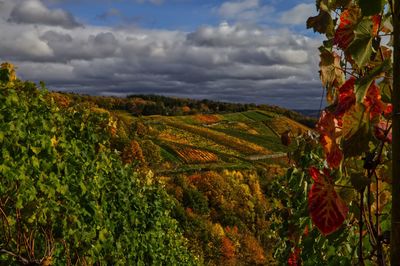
x: 244, y: 10
x: 298, y: 14
x: 35, y: 12
x: 230, y: 61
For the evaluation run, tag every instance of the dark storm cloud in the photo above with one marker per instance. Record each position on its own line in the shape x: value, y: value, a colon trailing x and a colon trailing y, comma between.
x: 35, y: 12
x: 226, y: 62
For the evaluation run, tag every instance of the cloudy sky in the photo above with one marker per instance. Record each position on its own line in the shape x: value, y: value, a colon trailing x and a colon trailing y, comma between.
x: 238, y: 50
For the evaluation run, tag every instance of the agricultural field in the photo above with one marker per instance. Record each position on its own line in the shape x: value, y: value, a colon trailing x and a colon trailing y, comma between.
x: 233, y: 140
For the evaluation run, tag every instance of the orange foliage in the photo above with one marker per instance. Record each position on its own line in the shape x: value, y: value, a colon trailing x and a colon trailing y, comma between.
x: 253, y: 250
x: 132, y: 152
x: 207, y: 119
x: 60, y: 99
x: 227, y: 248
x: 190, y: 155
x: 186, y: 109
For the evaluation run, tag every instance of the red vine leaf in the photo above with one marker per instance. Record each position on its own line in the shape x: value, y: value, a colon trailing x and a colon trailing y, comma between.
x: 388, y: 110
x: 328, y: 211
x: 294, y: 258
x: 344, y: 34
x: 373, y: 101
x: 376, y: 22
x: 347, y: 97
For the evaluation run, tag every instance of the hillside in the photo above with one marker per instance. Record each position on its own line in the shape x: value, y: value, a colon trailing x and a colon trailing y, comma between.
x: 194, y: 186
x: 216, y: 167
x: 211, y: 139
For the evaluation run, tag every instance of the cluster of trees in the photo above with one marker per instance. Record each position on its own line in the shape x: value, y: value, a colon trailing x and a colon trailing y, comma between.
x: 159, y: 105
x: 223, y: 215
x: 139, y: 105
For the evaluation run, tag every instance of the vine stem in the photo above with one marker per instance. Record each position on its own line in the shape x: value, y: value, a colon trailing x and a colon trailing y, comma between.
x: 360, y: 228
x: 380, y: 258
x: 395, y: 231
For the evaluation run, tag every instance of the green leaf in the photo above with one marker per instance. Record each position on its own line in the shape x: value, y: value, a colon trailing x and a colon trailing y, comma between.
x: 386, y: 93
x: 371, y: 7
x: 362, y: 85
x: 353, y: 120
x: 36, y: 150
x: 361, y: 47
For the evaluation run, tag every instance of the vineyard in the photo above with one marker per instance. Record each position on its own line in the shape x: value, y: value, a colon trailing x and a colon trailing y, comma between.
x: 226, y: 140
x: 152, y: 180
x: 193, y: 156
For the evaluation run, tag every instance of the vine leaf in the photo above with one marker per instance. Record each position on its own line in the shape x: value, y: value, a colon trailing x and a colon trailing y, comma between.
x: 365, y: 82
x: 321, y: 23
x: 370, y: 8
x: 331, y: 73
x: 327, y: 127
x: 373, y: 101
x: 354, y: 118
x: 380, y: 130
x: 358, y: 142
x: 344, y: 34
x: 328, y: 211
x: 361, y: 47
x: 356, y: 131
x: 347, y: 97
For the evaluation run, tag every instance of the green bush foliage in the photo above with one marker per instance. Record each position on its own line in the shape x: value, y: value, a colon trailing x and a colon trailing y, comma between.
x: 65, y: 196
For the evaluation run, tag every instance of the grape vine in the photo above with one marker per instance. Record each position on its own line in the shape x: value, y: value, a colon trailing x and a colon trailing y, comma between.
x: 346, y: 171
x: 66, y: 197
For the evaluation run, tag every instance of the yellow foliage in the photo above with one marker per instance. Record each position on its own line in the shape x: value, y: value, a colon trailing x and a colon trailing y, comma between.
x: 12, y: 76
x: 207, y: 119
x: 54, y: 141
x: 217, y: 230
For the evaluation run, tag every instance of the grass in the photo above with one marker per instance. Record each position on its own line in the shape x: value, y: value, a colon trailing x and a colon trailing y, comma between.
x: 257, y: 116
x: 237, y: 117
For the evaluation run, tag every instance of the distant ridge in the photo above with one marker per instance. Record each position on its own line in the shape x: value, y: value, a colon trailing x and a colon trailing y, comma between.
x: 309, y: 112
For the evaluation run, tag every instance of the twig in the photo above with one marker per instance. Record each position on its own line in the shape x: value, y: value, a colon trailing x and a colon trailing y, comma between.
x: 18, y: 257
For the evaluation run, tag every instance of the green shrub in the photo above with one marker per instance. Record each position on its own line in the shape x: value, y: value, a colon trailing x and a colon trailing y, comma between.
x: 66, y: 197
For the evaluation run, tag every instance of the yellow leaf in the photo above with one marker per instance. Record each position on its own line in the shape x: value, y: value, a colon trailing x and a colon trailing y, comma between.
x: 54, y: 141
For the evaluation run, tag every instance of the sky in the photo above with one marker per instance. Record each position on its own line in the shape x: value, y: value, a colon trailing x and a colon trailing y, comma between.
x: 249, y: 51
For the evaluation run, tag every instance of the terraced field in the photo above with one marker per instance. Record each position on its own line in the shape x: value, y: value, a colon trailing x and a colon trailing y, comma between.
x: 235, y: 140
